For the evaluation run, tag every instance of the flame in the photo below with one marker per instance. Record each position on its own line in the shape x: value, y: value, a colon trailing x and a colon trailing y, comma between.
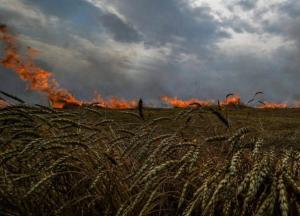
x: 114, y: 102
x: 41, y: 80
x: 231, y: 100
x: 175, y: 102
x: 271, y: 105
x: 3, y: 104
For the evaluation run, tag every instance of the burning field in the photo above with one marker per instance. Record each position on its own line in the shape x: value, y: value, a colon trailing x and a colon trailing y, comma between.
x: 44, y: 81
x: 117, y: 157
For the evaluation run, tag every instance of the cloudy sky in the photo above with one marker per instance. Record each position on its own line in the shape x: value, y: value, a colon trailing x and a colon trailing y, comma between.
x: 149, y: 48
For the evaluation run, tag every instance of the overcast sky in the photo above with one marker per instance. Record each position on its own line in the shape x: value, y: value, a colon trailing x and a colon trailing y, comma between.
x: 149, y: 48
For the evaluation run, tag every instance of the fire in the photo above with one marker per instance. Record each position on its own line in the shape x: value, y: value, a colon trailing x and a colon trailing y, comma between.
x: 3, y: 104
x: 271, y: 105
x: 231, y: 100
x: 175, y: 102
x: 41, y: 80
x: 114, y: 102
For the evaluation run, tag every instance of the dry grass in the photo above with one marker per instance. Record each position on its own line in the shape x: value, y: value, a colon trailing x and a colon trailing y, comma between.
x: 91, y: 161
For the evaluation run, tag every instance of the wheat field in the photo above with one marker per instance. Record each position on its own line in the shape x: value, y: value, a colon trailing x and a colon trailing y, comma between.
x: 195, y: 161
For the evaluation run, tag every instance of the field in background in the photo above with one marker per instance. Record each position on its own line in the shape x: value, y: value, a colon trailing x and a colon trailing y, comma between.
x: 91, y: 161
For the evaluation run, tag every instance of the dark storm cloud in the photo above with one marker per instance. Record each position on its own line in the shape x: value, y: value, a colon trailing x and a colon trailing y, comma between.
x: 66, y: 17
x: 163, y: 22
x: 291, y: 8
x: 86, y: 18
x: 149, y: 48
x: 108, y: 73
x: 120, y: 30
x: 287, y: 26
x: 157, y: 23
x: 293, y: 67
x: 259, y: 74
x: 54, y: 27
x: 247, y: 4
x: 190, y: 31
x: 238, y: 25
x: 59, y: 30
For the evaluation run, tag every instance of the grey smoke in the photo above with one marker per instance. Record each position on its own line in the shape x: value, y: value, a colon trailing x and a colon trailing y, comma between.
x: 142, y: 48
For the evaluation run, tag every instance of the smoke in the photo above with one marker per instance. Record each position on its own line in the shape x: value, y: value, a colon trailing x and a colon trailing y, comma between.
x: 43, y: 81
x: 141, y: 48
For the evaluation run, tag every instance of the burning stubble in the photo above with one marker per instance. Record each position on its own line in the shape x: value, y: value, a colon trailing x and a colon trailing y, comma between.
x: 43, y: 81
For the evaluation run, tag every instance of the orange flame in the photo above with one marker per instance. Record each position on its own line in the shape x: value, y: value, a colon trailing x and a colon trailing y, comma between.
x: 175, y: 102
x: 114, y: 102
x: 231, y: 100
x: 3, y: 104
x: 42, y: 80
x: 271, y: 105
